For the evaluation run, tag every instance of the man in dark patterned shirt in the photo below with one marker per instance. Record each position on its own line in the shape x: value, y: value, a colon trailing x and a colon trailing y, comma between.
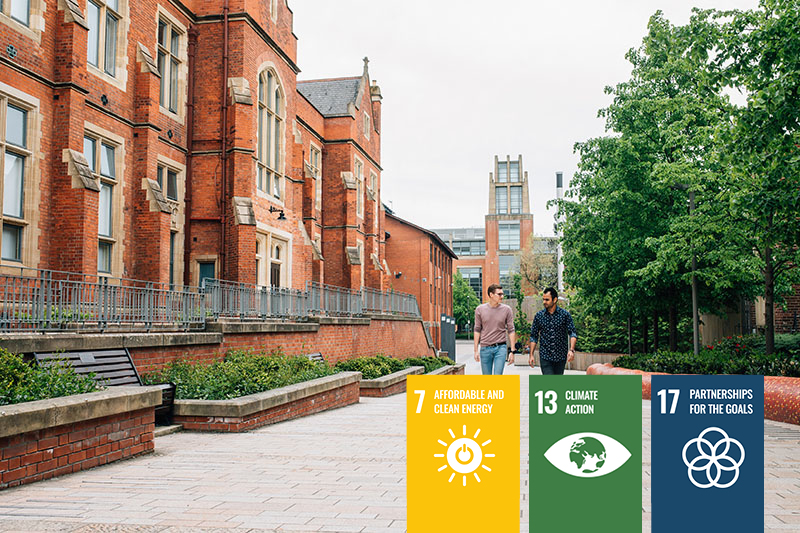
x: 552, y: 328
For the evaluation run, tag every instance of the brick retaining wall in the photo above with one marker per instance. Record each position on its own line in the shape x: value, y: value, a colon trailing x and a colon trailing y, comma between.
x: 256, y: 410
x: 32, y: 449
x: 781, y: 394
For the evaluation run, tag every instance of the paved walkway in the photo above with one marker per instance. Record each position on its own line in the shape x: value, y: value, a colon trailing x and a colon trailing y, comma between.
x: 342, y: 470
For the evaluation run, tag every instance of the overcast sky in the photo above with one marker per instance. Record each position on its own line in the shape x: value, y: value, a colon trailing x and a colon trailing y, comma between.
x: 465, y: 81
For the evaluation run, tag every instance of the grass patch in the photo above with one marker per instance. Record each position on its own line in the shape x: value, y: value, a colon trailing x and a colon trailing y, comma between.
x: 23, y: 382
x: 240, y: 374
x: 380, y: 365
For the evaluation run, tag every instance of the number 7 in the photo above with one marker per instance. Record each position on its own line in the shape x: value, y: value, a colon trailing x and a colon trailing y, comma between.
x: 421, y: 397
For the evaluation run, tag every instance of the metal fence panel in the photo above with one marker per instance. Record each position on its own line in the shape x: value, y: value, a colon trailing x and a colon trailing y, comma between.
x: 47, y: 300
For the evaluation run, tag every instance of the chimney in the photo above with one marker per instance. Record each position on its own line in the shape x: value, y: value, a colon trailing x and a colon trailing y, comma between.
x: 375, y: 93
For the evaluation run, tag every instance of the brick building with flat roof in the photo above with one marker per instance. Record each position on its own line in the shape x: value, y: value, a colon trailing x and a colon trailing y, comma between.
x: 171, y: 141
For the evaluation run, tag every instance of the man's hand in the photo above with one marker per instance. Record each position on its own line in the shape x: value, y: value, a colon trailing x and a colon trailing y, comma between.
x: 477, y: 357
x: 510, y: 358
x: 570, y: 355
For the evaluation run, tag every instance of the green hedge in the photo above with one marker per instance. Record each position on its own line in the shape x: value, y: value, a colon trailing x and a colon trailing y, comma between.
x: 240, y: 374
x: 381, y: 365
x: 23, y: 382
x: 733, y: 355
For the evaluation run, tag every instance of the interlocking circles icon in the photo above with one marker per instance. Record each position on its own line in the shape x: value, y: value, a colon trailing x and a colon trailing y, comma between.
x: 720, y: 459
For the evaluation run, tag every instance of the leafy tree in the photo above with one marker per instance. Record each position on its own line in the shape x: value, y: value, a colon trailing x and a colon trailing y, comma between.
x: 537, y: 263
x: 760, y: 56
x: 521, y: 324
x: 464, y: 301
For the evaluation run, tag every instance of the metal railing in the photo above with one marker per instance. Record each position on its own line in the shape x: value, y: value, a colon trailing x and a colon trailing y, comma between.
x: 49, y: 300
x: 247, y: 301
x: 389, y: 303
x: 330, y: 300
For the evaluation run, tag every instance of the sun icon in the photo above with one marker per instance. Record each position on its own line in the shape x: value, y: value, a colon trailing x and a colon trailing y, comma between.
x: 464, y: 455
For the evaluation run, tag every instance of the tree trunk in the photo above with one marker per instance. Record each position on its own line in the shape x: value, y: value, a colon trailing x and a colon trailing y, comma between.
x: 673, y: 328
x: 645, y: 342
x: 630, y: 336
x: 655, y: 331
x: 769, y: 303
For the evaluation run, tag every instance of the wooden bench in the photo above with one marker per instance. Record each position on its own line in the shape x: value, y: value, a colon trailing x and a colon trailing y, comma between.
x: 112, y: 368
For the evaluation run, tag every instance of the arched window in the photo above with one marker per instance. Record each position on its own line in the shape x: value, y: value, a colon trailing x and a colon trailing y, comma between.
x: 270, y: 135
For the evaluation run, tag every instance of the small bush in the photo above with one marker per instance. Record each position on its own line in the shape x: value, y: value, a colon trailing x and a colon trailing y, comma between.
x: 240, y: 374
x: 22, y: 382
x: 381, y: 365
x: 734, y: 355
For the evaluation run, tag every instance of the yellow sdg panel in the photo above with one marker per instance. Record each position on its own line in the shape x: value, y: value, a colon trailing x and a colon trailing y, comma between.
x: 463, y: 453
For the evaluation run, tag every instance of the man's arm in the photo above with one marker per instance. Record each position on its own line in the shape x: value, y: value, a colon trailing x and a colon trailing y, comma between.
x: 477, y: 330
x: 534, y: 339
x: 573, y: 337
x: 513, y: 337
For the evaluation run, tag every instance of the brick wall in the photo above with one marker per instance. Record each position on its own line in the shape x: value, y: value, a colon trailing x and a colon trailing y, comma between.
x: 331, y: 399
x: 336, y: 342
x: 46, y: 453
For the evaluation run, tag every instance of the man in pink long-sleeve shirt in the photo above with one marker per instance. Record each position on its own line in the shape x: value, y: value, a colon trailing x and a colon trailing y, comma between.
x: 493, y: 323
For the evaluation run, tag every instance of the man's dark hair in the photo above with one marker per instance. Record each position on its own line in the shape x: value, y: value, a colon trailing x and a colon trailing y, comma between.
x: 552, y: 292
x: 493, y: 288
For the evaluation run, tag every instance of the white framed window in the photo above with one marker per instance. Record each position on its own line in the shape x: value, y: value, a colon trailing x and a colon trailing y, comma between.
x: 315, y: 163
x: 516, y: 199
x: 508, y: 237
x: 19, y: 10
x: 101, y: 154
x: 367, y: 126
x: 170, y: 41
x: 261, y: 259
x: 502, y: 172
x: 373, y: 183
x: 270, y: 134
x: 359, y: 172
x: 513, y: 171
x: 103, y: 17
x: 277, y: 259
x: 168, y: 180
x: 16, y: 154
x: 501, y: 199
x: 272, y: 260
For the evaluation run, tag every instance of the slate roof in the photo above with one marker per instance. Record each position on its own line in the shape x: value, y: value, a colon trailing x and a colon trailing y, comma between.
x: 330, y: 97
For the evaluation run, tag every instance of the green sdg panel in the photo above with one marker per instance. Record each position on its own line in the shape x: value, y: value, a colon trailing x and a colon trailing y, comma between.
x: 585, y: 454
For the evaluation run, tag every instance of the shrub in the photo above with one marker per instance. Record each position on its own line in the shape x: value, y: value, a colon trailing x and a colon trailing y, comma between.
x: 381, y: 365
x: 240, y: 374
x: 23, y: 382
x: 736, y: 355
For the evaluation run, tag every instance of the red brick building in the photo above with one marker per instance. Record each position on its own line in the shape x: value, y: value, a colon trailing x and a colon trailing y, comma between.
x: 423, y: 266
x: 171, y: 141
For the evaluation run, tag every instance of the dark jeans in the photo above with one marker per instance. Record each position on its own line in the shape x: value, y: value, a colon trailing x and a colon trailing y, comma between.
x: 550, y: 368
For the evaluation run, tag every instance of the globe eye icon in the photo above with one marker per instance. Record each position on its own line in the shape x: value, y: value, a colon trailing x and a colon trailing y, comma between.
x: 587, y: 454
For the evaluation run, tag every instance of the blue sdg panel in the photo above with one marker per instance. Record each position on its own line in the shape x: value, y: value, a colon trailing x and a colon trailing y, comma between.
x: 707, y: 454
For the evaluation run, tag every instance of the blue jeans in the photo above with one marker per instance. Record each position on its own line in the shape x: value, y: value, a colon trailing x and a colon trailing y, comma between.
x: 493, y: 359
